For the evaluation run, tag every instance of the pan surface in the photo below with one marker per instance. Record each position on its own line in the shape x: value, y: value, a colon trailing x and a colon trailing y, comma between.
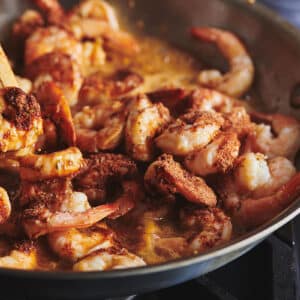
x: 275, y: 48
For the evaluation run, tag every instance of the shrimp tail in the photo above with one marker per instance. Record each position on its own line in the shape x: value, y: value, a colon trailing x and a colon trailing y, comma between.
x: 60, y: 221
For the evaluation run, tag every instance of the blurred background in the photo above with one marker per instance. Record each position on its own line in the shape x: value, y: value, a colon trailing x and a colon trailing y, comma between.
x: 289, y: 9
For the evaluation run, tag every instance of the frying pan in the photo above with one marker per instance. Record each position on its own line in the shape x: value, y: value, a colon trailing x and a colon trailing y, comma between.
x: 275, y: 48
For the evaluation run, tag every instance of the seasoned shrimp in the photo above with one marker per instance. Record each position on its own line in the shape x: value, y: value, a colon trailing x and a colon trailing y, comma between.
x: 254, y: 212
x: 26, y: 24
x: 205, y: 228
x: 218, y: 156
x: 20, y: 120
x: 190, y: 132
x: 109, y: 259
x: 238, y: 121
x: 104, y: 170
x: 52, y: 9
x: 60, y: 68
x: 258, y: 179
x: 210, y: 100
x: 100, y: 127
x: 285, y: 141
x: 166, y: 177
x: 23, y: 256
x: 241, y: 71
x: 97, y: 9
x: 63, y: 163
x: 97, y: 89
x: 49, y: 39
x: 51, y: 206
x: 5, y: 206
x: 74, y: 244
x: 144, y: 121
x: 54, y: 107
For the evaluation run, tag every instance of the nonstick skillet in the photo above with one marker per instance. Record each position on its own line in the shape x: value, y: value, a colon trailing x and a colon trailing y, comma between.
x: 274, y: 46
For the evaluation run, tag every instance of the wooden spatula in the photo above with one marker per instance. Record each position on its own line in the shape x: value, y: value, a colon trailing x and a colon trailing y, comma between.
x: 7, y: 76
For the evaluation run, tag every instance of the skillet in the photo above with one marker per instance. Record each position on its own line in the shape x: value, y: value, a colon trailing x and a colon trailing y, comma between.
x: 274, y: 46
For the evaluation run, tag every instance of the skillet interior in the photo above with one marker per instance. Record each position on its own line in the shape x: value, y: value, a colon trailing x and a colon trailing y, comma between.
x: 275, y: 48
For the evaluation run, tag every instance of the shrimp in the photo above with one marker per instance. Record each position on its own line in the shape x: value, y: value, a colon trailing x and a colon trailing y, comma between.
x: 52, y: 9
x: 203, y: 99
x: 61, y: 210
x: 285, y: 141
x: 97, y: 9
x: 267, y: 185
x: 241, y: 72
x: 254, y: 212
x: 218, y: 156
x: 89, y: 20
x: 190, y: 132
x: 172, y: 98
x: 20, y: 120
x: 60, y: 68
x: 74, y: 244
x: 104, y: 170
x: 63, y: 163
x: 205, y: 228
x: 97, y: 89
x: 107, y: 138
x: 166, y: 177
x: 100, y: 127
x: 144, y: 121
x: 54, y: 107
x: 49, y: 39
x: 5, y: 206
x: 23, y: 256
x: 238, y: 121
x: 109, y: 259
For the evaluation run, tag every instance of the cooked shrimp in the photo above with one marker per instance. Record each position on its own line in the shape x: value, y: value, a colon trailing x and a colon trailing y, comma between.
x: 57, y: 164
x: 190, y: 132
x: 100, y: 127
x: 60, y: 211
x: 54, y: 107
x: 238, y: 121
x: 205, y: 228
x: 74, y: 244
x: 256, y: 211
x: 103, y: 170
x: 109, y: 259
x: 5, y: 206
x: 24, y: 256
x: 97, y: 89
x: 52, y: 9
x: 210, y: 100
x: 144, y: 121
x: 166, y: 177
x: 49, y: 39
x: 60, y: 68
x: 255, y: 176
x: 172, y: 98
x: 26, y: 24
x: 285, y: 141
x: 241, y: 73
x: 20, y: 120
x: 107, y: 138
x: 264, y: 182
x: 218, y: 156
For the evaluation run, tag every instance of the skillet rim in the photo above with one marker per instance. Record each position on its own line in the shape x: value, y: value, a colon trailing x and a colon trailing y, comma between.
x: 240, y: 243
